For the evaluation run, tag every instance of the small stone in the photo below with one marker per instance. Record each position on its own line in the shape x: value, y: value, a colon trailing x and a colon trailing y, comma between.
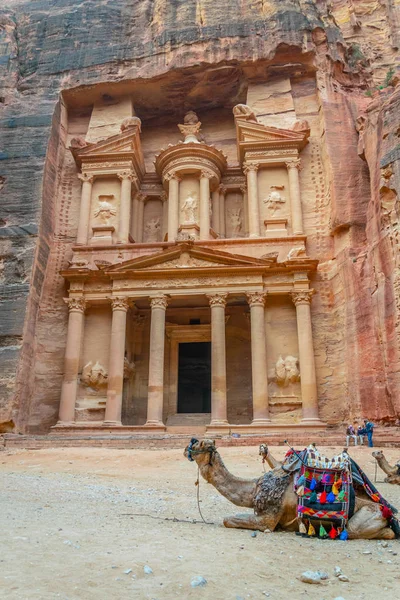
x: 310, y: 577
x: 343, y: 578
x: 148, y: 570
x: 267, y: 531
x: 127, y: 571
x: 254, y: 534
x: 198, y: 581
x: 337, y: 571
x: 367, y: 552
x: 384, y: 544
x: 339, y: 598
x: 323, y: 575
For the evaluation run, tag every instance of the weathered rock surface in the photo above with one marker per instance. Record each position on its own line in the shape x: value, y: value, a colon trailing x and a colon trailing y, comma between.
x: 50, y: 46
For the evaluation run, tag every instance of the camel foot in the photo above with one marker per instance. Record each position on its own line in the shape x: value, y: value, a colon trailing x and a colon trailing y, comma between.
x: 246, y: 521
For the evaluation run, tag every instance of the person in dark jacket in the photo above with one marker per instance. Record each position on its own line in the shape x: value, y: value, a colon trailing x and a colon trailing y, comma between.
x: 369, y: 430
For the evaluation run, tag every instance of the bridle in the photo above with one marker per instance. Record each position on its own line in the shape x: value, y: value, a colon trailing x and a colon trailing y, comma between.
x: 192, y: 452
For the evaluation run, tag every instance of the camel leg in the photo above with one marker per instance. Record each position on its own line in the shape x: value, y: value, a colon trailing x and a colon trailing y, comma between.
x: 246, y: 521
x: 393, y: 479
x: 368, y: 524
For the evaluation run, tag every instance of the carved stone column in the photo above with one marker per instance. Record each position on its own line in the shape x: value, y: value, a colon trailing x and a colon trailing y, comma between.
x: 126, y: 178
x: 69, y: 386
x: 116, y: 362
x: 293, y: 167
x: 218, y: 360
x: 164, y: 200
x: 222, y: 225
x: 215, y: 210
x: 250, y: 170
x: 139, y: 231
x: 84, y: 211
x: 243, y: 189
x: 135, y: 215
x: 173, y: 206
x: 256, y: 302
x: 205, y: 204
x: 156, y: 363
x: 308, y: 380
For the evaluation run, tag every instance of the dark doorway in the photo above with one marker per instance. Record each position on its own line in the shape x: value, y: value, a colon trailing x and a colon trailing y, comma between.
x: 194, y: 377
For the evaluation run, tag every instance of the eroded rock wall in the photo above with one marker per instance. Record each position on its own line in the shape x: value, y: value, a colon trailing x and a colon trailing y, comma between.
x: 48, y: 46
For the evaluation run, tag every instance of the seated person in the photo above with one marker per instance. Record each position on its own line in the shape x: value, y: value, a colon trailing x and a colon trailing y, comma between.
x: 361, y: 432
x: 350, y: 433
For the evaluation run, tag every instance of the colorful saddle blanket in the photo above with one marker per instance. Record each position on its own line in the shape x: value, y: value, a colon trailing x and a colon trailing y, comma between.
x: 324, y: 488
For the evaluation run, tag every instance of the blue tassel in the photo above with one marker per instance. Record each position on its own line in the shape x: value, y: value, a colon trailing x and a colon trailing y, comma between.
x: 344, y: 535
x: 313, y: 484
x: 301, y: 481
x: 331, y: 498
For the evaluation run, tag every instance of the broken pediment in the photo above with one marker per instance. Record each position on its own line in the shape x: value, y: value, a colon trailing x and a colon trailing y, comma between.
x: 252, y: 136
x: 186, y: 256
x: 117, y: 152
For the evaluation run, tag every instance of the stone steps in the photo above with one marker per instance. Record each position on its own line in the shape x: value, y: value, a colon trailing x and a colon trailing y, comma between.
x: 387, y: 437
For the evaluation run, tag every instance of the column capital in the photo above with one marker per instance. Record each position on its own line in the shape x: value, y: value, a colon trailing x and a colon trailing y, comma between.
x: 170, y: 176
x: 76, y: 304
x: 163, y: 196
x: 218, y: 299
x: 302, y: 297
x: 159, y: 301
x: 120, y: 303
x: 126, y: 175
x: 206, y: 174
x: 256, y: 298
x: 88, y: 177
x: 247, y: 167
x: 293, y: 164
x: 222, y: 189
x: 141, y: 197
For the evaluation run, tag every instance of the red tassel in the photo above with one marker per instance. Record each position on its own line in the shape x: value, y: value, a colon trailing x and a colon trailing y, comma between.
x: 322, y: 498
x: 386, y: 512
x: 333, y: 533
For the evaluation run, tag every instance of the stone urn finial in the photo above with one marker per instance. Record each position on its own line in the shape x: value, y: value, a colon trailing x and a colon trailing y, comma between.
x: 190, y: 128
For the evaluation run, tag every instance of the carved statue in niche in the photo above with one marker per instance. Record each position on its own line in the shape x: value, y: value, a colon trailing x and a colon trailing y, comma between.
x: 94, y: 376
x: 287, y: 370
x: 105, y: 209
x: 189, y: 208
x: 274, y: 199
x: 152, y: 230
x: 129, y: 369
x: 235, y: 218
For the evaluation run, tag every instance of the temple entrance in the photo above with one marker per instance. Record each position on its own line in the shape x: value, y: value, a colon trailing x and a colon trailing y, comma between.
x: 194, y: 377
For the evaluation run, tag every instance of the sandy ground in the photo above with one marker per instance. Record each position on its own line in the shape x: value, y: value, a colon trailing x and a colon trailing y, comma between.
x: 83, y: 523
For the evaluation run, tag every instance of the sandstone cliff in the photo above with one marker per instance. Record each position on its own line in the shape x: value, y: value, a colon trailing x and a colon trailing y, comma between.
x: 350, y: 46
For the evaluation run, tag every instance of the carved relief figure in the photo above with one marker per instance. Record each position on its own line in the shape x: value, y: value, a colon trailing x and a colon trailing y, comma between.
x: 105, y: 209
x: 94, y: 375
x: 189, y: 208
x: 152, y: 230
x: 275, y: 200
x: 129, y: 369
x: 235, y: 218
x: 287, y: 370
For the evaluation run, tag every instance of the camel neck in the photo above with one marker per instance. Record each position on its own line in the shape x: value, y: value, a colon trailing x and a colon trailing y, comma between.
x: 239, y: 491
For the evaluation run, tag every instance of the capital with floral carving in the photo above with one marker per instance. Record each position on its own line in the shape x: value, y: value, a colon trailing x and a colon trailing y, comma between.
x: 248, y: 167
x: 160, y: 301
x: 302, y: 297
x: 256, y: 298
x: 126, y: 175
x: 86, y: 177
x: 206, y: 174
x: 218, y: 299
x: 120, y: 303
x: 170, y: 176
x: 76, y: 304
x: 293, y: 164
x: 222, y: 189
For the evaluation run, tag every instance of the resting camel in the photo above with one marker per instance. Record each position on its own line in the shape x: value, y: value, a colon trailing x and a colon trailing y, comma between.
x: 393, y: 473
x: 273, y: 499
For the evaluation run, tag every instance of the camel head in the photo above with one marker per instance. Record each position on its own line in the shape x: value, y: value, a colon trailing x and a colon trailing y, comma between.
x: 200, y: 451
x: 263, y: 450
x: 378, y: 454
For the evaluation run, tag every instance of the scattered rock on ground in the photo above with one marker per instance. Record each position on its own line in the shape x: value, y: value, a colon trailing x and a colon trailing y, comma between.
x: 198, y: 581
x: 148, y: 570
x: 313, y: 576
x: 343, y: 578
